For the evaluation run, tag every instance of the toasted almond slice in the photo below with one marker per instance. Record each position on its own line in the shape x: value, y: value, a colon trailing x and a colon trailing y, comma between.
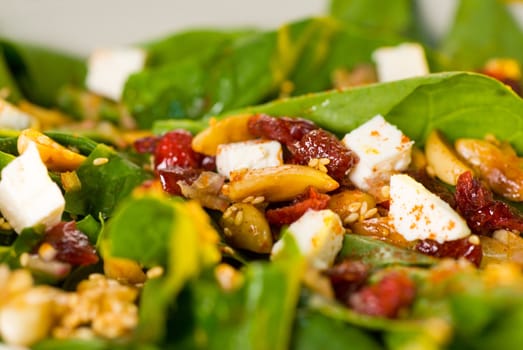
x: 278, y: 183
x: 443, y: 160
x: 55, y: 156
x: 230, y: 129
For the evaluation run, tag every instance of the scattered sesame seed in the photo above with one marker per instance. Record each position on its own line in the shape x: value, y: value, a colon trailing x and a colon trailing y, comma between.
x: 364, y: 208
x: 474, y: 239
x: 100, y: 161
x: 354, y: 207
x: 238, y: 219
x: 370, y: 213
x: 155, y: 272
x: 351, y: 218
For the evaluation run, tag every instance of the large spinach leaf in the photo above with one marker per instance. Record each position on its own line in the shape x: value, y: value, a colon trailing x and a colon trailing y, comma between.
x: 158, y: 231
x: 375, y: 15
x: 257, y: 316
x: 39, y: 72
x: 481, y: 30
x: 460, y: 104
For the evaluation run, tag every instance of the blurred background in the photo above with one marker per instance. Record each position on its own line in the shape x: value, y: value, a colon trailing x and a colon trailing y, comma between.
x: 78, y: 26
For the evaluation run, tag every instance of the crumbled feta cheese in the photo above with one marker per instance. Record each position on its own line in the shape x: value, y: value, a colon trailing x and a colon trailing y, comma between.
x: 319, y: 235
x: 28, y: 196
x: 382, y: 149
x: 255, y: 154
x: 13, y: 118
x: 109, y: 69
x: 418, y: 213
x: 400, y: 62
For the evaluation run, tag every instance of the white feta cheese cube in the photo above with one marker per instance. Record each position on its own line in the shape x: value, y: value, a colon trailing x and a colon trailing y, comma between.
x: 319, y: 235
x: 400, y: 62
x: 28, y: 196
x: 109, y: 69
x: 255, y: 154
x: 13, y: 118
x: 418, y: 213
x: 383, y: 150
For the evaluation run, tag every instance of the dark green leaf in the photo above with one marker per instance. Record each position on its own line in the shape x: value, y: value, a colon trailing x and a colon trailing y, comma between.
x: 39, y: 72
x: 77, y: 344
x: 83, y: 144
x: 5, y: 158
x: 7, y: 80
x: 313, y: 330
x: 197, y: 45
x: 140, y: 230
x: 103, y: 186
x: 482, y: 30
x: 375, y: 15
x: 91, y: 227
x: 379, y: 254
x: 24, y: 243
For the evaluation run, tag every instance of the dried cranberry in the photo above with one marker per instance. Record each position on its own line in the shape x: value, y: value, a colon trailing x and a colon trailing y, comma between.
x: 322, y: 144
x: 72, y: 246
x: 311, y: 199
x: 433, y: 186
x: 174, y: 149
x: 146, y: 144
x: 386, y: 298
x: 169, y: 178
x: 460, y: 248
x: 483, y: 214
x: 283, y: 129
x: 347, y: 277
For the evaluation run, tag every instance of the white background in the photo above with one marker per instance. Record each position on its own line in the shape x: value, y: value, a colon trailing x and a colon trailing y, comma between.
x: 78, y: 26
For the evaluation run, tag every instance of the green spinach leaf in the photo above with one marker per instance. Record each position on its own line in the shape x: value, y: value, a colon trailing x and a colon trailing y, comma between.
x: 103, y: 186
x: 482, y: 30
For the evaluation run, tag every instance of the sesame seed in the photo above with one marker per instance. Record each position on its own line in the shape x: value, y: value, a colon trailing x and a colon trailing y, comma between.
x: 354, y: 207
x: 155, y: 272
x: 363, y: 209
x: 47, y: 252
x: 100, y: 161
x: 385, y: 191
x: 258, y: 200
x: 238, y: 219
x: 349, y: 219
x: 248, y: 199
x: 473, y: 239
x: 370, y: 213
x: 227, y: 231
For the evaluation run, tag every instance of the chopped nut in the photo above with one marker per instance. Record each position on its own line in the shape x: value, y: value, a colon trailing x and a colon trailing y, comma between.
x: 155, y: 272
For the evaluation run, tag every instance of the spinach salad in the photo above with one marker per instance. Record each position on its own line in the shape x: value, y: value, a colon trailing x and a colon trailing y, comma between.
x: 249, y: 189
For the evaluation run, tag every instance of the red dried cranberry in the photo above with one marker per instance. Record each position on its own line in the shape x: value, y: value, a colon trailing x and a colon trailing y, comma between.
x: 311, y: 199
x: 322, y: 144
x: 483, y: 214
x: 174, y: 149
x: 460, y: 248
x: 72, y: 246
x: 146, y: 144
x: 347, y: 277
x: 283, y: 129
x: 169, y: 178
x: 386, y: 298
